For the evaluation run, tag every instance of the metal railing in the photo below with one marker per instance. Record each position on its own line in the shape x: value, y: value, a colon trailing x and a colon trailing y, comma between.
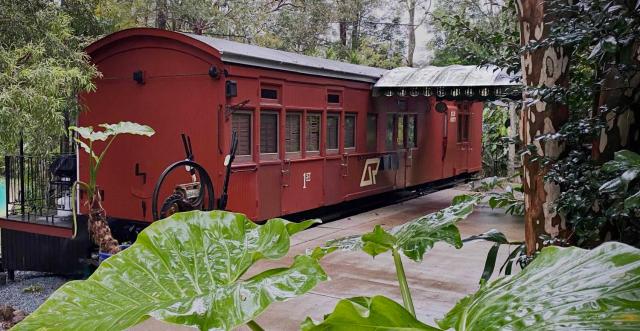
x: 39, y: 187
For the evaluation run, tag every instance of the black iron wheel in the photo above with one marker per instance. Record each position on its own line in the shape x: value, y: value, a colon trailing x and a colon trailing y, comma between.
x: 206, y: 190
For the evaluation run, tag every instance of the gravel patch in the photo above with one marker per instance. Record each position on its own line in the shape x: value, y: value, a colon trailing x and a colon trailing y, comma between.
x: 30, y: 289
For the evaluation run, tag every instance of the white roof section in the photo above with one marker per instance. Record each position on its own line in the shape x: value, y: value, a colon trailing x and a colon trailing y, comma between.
x: 449, y: 76
x: 251, y: 55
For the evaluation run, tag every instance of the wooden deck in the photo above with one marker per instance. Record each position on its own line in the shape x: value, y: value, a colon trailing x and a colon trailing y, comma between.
x: 445, y: 276
x: 46, y: 225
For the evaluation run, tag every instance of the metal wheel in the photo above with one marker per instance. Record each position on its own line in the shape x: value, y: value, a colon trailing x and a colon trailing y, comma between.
x: 177, y: 202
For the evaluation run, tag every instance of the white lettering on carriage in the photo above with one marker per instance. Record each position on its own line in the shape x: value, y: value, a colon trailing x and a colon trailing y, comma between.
x: 369, y: 172
x: 306, y: 177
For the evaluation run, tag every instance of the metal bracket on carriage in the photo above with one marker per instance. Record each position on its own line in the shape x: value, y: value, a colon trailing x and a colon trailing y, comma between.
x: 230, y: 109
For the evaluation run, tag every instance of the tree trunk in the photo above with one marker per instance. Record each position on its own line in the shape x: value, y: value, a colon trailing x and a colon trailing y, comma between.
x: 355, y: 33
x: 620, y: 94
x: 411, y: 47
x: 343, y: 33
x: 540, y: 67
x: 99, y: 228
x: 161, y: 14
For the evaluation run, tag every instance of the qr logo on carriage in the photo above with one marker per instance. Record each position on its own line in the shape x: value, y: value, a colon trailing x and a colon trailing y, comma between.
x: 369, y: 172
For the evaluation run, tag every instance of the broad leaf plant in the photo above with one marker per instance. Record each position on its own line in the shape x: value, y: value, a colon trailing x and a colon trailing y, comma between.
x: 87, y: 139
x: 186, y: 269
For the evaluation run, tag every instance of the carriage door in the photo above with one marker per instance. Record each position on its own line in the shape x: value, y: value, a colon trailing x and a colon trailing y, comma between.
x: 410, y: 140
x: 463, y: 122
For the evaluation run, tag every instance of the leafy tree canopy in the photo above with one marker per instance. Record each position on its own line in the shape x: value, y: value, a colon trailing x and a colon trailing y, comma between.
x: 41, y: 70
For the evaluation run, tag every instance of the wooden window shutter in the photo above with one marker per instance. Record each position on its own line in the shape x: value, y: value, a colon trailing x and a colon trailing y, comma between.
x: 412, y: 131
x: 241, y: 124
x: 333, y: 125
x: 372, y: 132
x: 389, y: 135
x: 400, y: 131
x: 268, y: 133
x: 350, y: 131
x: 292, y: 136
x: 313, y: 132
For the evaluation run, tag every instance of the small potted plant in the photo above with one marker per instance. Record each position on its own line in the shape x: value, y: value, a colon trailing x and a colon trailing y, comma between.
x: 97, y: 218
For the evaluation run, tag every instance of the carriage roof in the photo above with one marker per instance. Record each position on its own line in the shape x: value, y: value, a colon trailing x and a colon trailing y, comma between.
x: 251, y: 55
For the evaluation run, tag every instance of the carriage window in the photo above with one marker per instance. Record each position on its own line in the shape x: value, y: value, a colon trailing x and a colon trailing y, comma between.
x: 400, y: 131
x: 333, y: 125
x: 313, y: 132
x: 464, y: 116
x: 268, y: 133
x: 390, y: 131
x: 350, y: 131
x: 372, y: 132
x: 292, y: 136
x: 241, y: 124
x: 333, y: 98
x: 269, y: 93
x: 412, y: 131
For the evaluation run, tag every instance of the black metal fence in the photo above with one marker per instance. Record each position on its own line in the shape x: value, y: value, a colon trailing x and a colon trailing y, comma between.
x: 39, y: 187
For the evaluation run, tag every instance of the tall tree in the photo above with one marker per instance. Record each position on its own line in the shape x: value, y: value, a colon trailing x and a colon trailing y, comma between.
x: 422, y: 7
x: 42, y: 69
x: 548, y: 67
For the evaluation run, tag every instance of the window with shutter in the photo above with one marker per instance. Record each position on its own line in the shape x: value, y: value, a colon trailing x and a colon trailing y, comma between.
x: 350, y: 131
x: 412, y: 131
x: 268, y: 133
x: 372, y: 132
x: 400, y: 131
x: 241, y: 124
x: 292, y: 135
x: 389, y: 135
x: 333, y: 125
x: 464, y: 116
x: 313, y: 132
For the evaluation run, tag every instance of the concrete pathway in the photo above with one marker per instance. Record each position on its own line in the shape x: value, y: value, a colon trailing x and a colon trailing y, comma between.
x: 445, y: 276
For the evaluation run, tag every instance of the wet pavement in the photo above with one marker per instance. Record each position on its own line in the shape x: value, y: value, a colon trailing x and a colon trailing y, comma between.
x: 445, y: 276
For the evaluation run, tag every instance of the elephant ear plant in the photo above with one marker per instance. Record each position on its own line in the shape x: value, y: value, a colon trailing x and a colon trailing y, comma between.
x: 562, y: 289
x: 86, y: 139
x: 186, y: 269
x: 413, y: 239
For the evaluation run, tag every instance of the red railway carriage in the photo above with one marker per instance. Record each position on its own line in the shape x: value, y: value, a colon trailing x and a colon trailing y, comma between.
x: 311, y: 132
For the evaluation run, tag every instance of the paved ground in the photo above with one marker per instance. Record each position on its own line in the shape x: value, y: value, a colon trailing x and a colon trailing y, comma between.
x: 445, y: 276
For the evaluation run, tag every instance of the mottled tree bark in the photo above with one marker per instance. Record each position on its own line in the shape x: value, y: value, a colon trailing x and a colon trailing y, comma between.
x: 620, y: 94
x: 540, y: 67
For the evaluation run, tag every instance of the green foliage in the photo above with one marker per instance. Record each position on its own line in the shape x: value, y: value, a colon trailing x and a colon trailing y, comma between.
x: 495, y: 140
x: 185, y: 269
x: 475, y: 33
x: 416, y: 237
x: 507, y: 199
x: 563, y: 288
x: 42, y: 68
x: 364, y: 313
x: 413, y: 239
x: 518, y: 254
x: 109, y: 132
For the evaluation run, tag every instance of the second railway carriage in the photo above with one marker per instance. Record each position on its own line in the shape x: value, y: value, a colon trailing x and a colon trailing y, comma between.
x: 310, y: 132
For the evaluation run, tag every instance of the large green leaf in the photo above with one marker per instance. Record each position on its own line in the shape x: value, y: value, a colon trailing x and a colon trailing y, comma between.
x: 128, y: 128
x: 89, y: 134
x: 563, y: 288
x: 632, y: 201
x: 363, y: 313
x: 414, y: 238
x: 185, y: 269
